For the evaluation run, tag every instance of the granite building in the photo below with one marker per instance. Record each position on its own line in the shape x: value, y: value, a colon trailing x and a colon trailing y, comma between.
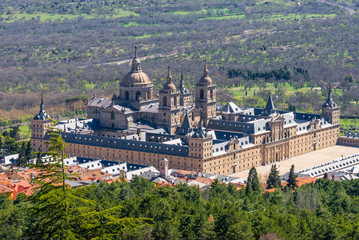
x: 140, y: 127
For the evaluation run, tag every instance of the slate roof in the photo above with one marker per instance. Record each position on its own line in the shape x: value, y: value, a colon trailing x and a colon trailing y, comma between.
x: 141, y: 146
x: 99, y: 102
x: 270, y: 108
x: 231, y: 108
x: 330, y: 102
x: 42, y: 115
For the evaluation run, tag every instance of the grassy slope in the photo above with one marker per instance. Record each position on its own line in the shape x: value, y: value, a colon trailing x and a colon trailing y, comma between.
x: 275, y: 12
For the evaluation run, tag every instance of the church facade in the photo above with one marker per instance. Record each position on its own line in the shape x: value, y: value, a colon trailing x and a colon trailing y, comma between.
x: 140, y: 127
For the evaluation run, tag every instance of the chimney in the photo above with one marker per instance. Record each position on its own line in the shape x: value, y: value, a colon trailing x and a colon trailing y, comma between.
x: 164, y: 168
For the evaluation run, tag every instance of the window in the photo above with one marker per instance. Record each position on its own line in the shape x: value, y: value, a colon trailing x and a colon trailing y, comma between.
x: 127, y: 96
x: 112, y: 115
x: 201, y: 94
x: 164, y: 101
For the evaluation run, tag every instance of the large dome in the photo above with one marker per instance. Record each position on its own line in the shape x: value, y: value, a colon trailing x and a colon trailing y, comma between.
x: 134, y: 78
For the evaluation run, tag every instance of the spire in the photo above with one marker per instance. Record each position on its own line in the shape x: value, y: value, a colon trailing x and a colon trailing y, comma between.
x: 42, y: 115
x: 169, y: 76
x: 186, y: 124
x: 42, y: 106
x: 205, y: 71
x: 181, y: 81
x: 270, y: 106
x: 181, y: 87
x: 136, y: 63
x: 205, y: 80
x: 330, y: 102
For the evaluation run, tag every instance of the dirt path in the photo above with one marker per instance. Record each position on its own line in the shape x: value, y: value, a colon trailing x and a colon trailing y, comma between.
x: 350, y: 10
x: 158, y: 55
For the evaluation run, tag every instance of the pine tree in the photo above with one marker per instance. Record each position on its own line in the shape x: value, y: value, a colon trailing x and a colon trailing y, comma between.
x: 249, y: 189
x: 60, y: 212
x: 253, y: 180
x: 273, y: 180
x: 325, y: 176
x: 28, y: 151
x: 292, y: 182
x: 21, y: 160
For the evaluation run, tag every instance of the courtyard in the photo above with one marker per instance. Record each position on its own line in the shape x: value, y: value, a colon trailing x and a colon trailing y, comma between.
x: 303, y: 161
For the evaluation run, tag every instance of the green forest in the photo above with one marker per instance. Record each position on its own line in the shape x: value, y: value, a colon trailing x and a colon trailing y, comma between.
x: 138, y: 210
x: 80, y: 47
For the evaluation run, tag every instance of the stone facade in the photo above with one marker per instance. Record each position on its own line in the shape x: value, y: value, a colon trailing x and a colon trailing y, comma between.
x: 199, y: 136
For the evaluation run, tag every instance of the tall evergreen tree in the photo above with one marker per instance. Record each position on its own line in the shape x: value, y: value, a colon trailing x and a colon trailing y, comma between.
x: 28, y: 151
x: 253, y: 180
x: 292, y: 182
x: 21, y: 160
x: 273, y: 180
x: 72, y: 215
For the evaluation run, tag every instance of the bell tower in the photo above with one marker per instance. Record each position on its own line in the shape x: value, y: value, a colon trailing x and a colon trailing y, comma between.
x: 169, y: 106
x: 206, y: 96
x: 331, y: 110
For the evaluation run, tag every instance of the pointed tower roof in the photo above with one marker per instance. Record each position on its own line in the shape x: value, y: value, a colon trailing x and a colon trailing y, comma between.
x: 181, y: 88
x: 330, y: 102
x: 186, y: 126
x: 186, y: 122
x: 201, y: 131
x: 136, y: 77
x: 42, y: 115
x: 169, y: 87
x: 270, y: 108
x: 205, y: 80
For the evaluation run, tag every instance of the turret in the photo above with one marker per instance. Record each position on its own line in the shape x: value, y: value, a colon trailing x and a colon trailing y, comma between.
x: 39, y: 126
x: 200, y: 143
x: 168, y: 110
x: 331, y: 110
x: 206, y: 96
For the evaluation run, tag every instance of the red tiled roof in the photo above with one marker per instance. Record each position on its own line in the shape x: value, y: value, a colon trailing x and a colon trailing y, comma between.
x: 206, y: 181
x: 4, y: 189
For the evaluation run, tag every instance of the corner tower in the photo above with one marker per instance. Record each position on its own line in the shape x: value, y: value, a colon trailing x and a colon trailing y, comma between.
x: 136, y: 88
x: 331, y: 110
x: 201, y: 143
x: 168, y: 109
x: 206, y: 96
x: 39, y: 126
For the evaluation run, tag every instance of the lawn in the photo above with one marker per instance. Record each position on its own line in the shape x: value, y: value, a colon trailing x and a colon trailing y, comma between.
x: 44, y: 17
x: 288, y: 89
x: 25, y: 131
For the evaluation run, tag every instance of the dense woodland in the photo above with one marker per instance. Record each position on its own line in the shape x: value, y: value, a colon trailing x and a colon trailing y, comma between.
x: 137, y: 210
x: 63, y: 48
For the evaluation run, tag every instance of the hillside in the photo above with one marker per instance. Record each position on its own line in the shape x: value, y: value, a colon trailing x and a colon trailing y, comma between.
x: 64, y: 48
